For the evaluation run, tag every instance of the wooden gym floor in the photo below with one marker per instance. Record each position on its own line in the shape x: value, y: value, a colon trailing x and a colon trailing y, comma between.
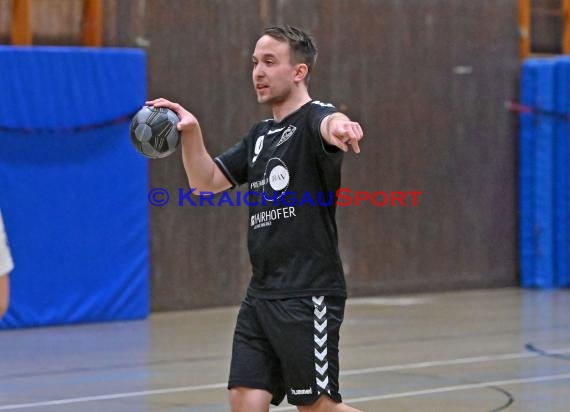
x: 487, y: 350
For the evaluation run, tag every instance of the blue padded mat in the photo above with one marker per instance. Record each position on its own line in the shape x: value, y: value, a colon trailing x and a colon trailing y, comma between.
x: 562, y: 170
x: 72, y: 189
x: 536, y: 175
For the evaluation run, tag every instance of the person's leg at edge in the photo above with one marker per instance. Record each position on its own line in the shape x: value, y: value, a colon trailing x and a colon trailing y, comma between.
x: 249, y: 400
x: 4, y: 294
x: 326, y: 404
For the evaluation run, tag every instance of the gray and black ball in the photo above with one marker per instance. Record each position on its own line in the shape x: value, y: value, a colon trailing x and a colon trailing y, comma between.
x: 154, y: 133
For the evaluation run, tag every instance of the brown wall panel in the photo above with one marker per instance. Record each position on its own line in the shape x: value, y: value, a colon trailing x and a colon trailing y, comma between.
x: 426, y: 78
x: 59, y: 22
x: 546, y: 26
x: 5, y: 21
x: 199, y: 56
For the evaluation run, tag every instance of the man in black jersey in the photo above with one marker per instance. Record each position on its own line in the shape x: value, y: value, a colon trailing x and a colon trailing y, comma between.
x: 287, y: 331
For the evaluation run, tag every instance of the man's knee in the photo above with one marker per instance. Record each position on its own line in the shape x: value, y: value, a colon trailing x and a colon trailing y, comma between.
x: 323, y: 403
x: 326, y: 404
x: 236, y: 397
x: 249, y: 400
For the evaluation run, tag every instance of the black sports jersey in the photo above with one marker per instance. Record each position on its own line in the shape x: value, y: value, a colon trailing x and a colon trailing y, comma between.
x: 292, y: 177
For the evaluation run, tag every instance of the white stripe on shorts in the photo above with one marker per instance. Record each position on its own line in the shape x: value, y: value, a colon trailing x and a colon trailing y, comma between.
x: 320, y: 339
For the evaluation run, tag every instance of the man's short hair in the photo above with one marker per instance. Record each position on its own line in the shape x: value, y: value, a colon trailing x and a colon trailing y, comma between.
x: 303, y: 49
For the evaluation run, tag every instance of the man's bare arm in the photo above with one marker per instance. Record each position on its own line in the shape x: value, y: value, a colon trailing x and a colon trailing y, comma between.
x: 338, y: 130
x: 202, y: 172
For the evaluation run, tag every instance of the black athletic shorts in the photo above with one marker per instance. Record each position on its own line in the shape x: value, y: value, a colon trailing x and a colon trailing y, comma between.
x: 288, y: 346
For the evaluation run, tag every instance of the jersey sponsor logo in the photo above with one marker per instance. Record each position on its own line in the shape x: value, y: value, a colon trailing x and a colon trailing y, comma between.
x: 258, y: 183
x: 276, y: 178
x: 279, y: 178
x: 302, y: 391
x: 287, y: 134
x: 267, y: 217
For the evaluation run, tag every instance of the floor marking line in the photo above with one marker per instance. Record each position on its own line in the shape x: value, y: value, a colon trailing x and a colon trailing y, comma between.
x: 113, y: 396
x: 459, y: 361
x: 417, y: 365
x: 547, y: 378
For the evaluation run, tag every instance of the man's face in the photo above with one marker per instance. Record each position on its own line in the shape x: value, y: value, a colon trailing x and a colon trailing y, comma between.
x: 273, y: 73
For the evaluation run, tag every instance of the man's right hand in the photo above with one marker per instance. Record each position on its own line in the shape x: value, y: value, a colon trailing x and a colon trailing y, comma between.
x: 203, y: 174
x: 187, y: 120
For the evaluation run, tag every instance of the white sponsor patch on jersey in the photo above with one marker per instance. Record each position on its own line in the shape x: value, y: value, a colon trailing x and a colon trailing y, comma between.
x: 278, y: 178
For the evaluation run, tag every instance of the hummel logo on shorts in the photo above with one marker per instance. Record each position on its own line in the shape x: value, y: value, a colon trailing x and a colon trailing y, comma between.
x: 302, y: 391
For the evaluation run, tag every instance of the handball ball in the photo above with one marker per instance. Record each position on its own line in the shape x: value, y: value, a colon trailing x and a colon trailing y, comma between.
x: 154, y: 133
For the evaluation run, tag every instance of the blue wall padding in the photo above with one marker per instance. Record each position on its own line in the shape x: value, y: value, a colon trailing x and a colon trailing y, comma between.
x: 543, y: 209
x: 562, y: 170
x: 544, y: 184
x: 59, y: 87
x: 526, y: 175
x: 74, y: 204
x: 536, y: 176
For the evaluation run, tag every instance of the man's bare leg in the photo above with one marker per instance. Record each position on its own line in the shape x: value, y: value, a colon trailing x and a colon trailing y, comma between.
x: 326, y: 404
x: 249, y: 400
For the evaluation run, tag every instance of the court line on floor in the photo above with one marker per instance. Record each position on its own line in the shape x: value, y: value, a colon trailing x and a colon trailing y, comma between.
x: 417, y: 365
x: 478, y: 385
x: 459, y: 361
x: 112, y: 396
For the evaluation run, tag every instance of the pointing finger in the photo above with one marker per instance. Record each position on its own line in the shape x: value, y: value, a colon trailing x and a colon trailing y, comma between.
x: 354, y: 145
x: 357, y: 131
x: 360, y: 130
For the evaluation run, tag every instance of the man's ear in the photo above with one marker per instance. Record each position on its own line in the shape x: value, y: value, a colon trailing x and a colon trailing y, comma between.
x: 301, y: 72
